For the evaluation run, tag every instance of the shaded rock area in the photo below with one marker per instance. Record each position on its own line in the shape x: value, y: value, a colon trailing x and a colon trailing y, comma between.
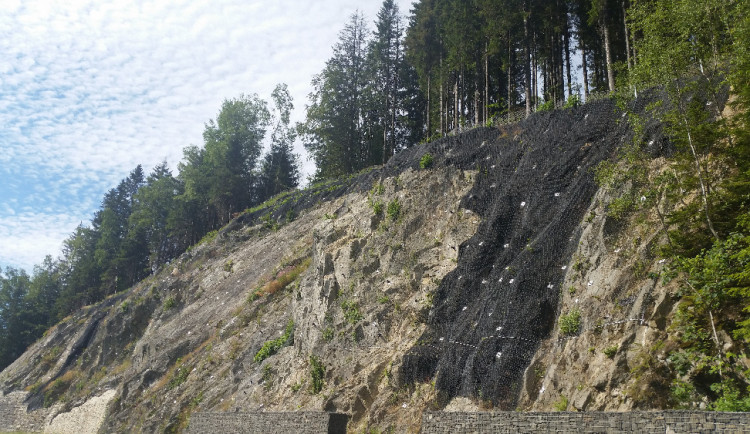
x: 380, y: 295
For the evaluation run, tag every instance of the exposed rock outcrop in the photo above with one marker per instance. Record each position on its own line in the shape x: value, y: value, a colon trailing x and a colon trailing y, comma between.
x: 382, y: 295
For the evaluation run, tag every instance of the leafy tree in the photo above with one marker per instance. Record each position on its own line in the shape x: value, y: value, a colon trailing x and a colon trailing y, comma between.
x: 233, y: 144
x: 279, y: 168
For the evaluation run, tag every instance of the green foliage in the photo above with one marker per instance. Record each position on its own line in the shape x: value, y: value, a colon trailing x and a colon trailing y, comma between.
x: 210, y: 236
x: 729, y: 397
x: 53, y: 392
x: 179, y: 375
x: 426, y: 161
x: 570, y: 323
x: 561, y: 404
x: 573, y: 101
x: 273, y: 346
x: 394, y: 210
x: 620, y: 207
x: 546, y: 106
x: 267, y: 377
x: 377, y: 207
x: 317, y: 374
x: 377, y: 189
x: 351, y: 311
x: 610, y: 351
x: 169, y: 303
x: 279, y: 169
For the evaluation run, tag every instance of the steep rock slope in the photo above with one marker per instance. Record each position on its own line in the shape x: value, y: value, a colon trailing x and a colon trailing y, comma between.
x: 351, y: 296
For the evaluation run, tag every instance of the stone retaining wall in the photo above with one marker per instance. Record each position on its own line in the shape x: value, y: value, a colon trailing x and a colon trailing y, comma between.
x: 303, y: 422
x: 586, y: 422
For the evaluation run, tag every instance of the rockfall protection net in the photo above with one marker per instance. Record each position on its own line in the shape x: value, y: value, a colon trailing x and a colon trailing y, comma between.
x: 535, y: 179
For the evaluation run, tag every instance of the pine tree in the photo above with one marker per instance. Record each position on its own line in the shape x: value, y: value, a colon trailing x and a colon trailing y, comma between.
x: 333, y: 130
x: 15, y: 315
x: 233, y: 144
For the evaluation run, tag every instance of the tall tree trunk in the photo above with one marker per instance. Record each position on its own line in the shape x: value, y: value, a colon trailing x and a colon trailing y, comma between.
x: 485, y: 110
x: 585, y: 71
x: 455, y: 104
x: 567, y: 59
x: 509, y: 73
x: 608, y: 53
x: 477, y: 103
x: 696, y: 160
x: 427, y: 112
x: 627, y: 33
x: 442, y: 106
x: 527, y: 59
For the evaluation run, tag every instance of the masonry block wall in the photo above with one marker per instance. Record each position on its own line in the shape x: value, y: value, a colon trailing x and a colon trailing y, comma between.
x: 586, y: 422
x: 303, y: 422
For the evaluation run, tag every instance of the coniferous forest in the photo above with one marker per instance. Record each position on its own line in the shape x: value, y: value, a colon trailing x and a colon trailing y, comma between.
x: 447, y: 65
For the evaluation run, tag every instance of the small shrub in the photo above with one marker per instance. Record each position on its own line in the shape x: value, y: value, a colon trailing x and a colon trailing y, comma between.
x: 377, y: 189
x: 267, y: 377
x: 394, y: 209
x: 377, y: 207
x: 169, y: 303
x: 351, y: 311
x: 271, y: 347
x: 234, y: 349
x: 317, y: 372
x: 229, y: 266
x: 610, y: 351
x: 573, y: 101
x: 297, y: 386
x: 180, y: 375
x: 290, y: 215
x: 426, y: 161
x: 570, y: 323
x: 53, y: 392
x: 328, y: 334
x: 561, y: 404
x: 208, y: 237
x: 547, y: 106
x: 620, y: 207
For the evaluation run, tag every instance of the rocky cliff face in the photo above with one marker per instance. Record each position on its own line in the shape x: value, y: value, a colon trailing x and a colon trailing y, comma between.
x: 395, y: 291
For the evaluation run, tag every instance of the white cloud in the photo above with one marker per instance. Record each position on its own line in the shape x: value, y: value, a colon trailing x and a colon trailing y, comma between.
x: 90, y: 89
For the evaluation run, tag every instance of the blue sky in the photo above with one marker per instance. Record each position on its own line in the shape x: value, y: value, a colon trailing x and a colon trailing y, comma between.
x: 90, y: 89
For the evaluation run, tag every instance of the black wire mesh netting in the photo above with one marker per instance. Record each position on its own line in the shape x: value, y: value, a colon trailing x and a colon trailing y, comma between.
x: 534, y: 182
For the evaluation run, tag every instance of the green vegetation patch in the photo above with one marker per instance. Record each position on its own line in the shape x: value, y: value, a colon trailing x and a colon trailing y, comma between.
x: 426, y: 161
x: 317, y: 374
x: 570, y: 323
x: 272, y: 347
